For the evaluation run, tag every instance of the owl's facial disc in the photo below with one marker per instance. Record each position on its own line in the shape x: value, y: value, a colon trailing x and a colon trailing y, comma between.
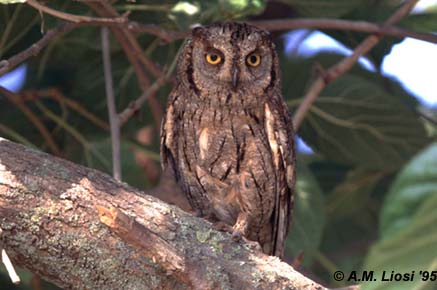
x: 235, y: 57
x: 211, y: 65
x: 226, y: 67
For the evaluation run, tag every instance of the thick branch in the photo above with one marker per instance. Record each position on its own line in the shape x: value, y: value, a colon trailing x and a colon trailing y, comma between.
x: 81, y: 229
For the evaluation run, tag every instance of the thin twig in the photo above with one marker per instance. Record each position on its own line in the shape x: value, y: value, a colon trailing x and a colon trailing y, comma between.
x: 170, y: 35
x: 350, y: 287
x: 6, y: 131
x: 339, y: 24
x: 136, y: 105
x: 112, y: 111
x: 272, y: 25
x: 156, y: 30
x: 76, y: 106
x: 34, y: 49
x: 57, y: 95
x: 109, y: 10
x: 73, y: 132
x: 136, y: 57
x: 9, y: 267
x: 74, y: 18
x: 36, y: 282
x: 14, y: 99
x: 296, y: 23
x: 346, y: 64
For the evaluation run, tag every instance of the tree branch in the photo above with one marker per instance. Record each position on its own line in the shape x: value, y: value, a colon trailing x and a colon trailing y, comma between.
x: 15, y: 279
x: 345, y: 65
x: 57, y: 95
x: 80, y: 229
x: 170, y: 35
x: 16, y: 101
x: 289, y: 24
x: 135, y: 55
x: 75, y: 18
x: 7, y: 65
x: 134, y: 106
x: 114, y: 121
x: 156, y: 30
x: 272, y: 25
x: 339, y: 24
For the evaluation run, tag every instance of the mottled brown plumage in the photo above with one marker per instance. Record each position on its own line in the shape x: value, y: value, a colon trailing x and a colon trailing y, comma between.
x: 227, y: 134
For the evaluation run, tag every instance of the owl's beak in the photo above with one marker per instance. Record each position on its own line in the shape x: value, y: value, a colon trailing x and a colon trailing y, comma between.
x: 235, y: 74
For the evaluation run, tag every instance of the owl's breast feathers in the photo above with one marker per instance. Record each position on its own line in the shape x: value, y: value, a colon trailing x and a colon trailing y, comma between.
x: 231, y: 160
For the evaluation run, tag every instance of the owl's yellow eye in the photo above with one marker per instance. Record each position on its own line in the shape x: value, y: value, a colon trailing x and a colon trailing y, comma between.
x: 213, y: 58
x: 253, y: 59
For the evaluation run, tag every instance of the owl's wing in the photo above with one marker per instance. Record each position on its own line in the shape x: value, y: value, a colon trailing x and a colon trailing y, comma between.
x: 168, y: 138
x: 281, y: 139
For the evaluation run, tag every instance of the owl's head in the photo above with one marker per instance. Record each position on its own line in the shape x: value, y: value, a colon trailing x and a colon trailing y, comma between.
x: 230, y: 57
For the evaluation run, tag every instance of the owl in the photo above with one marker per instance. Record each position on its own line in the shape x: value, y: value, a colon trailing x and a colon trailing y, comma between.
x: 227, y: 135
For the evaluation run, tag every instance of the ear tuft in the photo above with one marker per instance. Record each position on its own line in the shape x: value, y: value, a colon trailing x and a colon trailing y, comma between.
x: 198, y: 31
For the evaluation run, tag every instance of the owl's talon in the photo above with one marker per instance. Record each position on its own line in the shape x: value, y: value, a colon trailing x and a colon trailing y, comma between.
x: 236, y: 235
x: 198, y: 213
x: 222, y: 227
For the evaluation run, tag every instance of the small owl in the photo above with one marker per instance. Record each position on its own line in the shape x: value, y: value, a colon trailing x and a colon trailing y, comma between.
x: 227, y: 135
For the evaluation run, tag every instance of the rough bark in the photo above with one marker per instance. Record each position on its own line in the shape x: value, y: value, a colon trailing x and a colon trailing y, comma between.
x: 81, y: 229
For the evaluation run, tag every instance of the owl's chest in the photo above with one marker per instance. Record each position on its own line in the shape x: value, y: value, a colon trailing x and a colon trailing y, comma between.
x: 223, y: 142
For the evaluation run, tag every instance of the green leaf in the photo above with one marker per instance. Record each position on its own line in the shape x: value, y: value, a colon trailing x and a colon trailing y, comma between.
x: 355, y: 122
x: 416, y: 182
x: 361, y: 119
x: 327, y: 173
x: 308, y: 216
x: 185, y: 13
x: 323, y: 8
x: 185, y: 8
x: 408, y: 226
x: 412, y: 248
x: 426, y: 22
x: 351, y: 214
x: 11, y: 1
x: 353, y: 194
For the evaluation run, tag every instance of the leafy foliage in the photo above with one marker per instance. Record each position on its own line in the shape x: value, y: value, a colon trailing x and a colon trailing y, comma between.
x: 364, y: 128
x: 408, y: 226
x: 413, y: 187
x: 355, y: 120
x: 308, y: 218
x: 320, y: 8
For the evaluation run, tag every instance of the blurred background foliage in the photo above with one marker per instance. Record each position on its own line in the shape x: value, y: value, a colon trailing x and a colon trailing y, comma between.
x: 366, y: 196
